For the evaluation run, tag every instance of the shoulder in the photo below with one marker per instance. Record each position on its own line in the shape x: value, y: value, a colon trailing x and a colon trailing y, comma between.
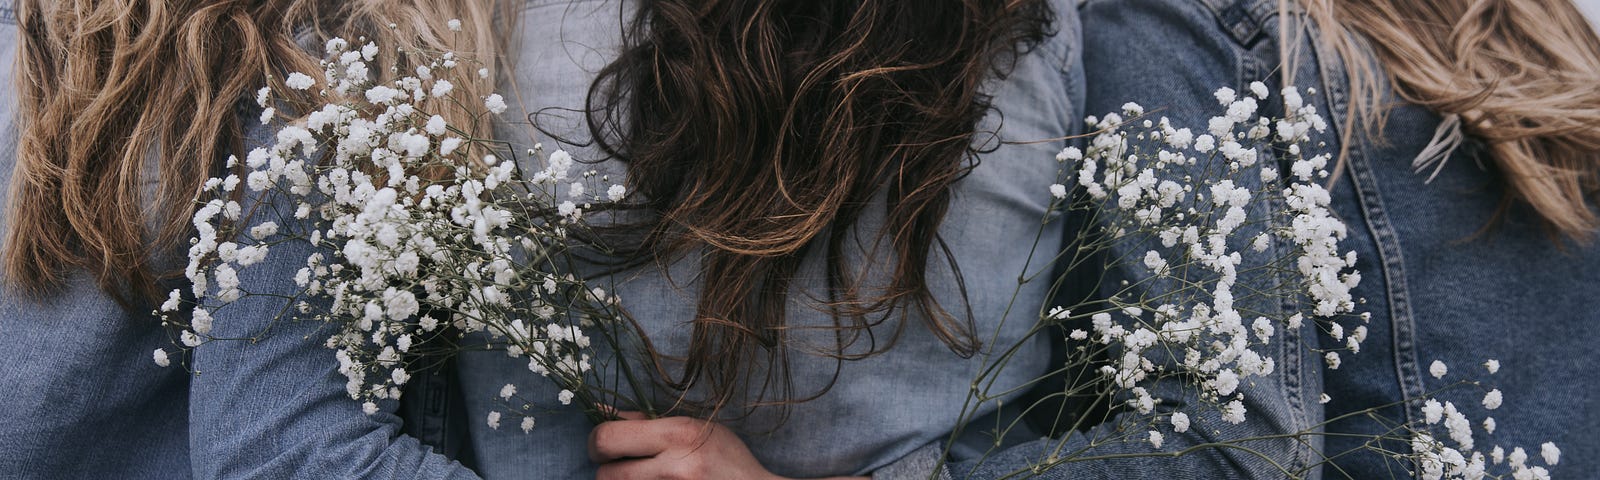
x: 1241, y: 23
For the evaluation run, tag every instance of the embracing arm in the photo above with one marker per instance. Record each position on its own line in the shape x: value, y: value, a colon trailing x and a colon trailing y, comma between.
x: 272, y: 405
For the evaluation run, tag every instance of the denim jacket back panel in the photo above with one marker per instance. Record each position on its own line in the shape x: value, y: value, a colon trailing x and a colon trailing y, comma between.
x: 1435, y: 289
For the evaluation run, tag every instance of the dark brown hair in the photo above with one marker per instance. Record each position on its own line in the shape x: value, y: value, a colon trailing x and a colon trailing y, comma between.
x: 758, y: 132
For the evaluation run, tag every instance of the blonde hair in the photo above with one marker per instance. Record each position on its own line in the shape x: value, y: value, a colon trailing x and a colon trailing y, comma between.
x: 1522, y: 76
x: 106, y: 84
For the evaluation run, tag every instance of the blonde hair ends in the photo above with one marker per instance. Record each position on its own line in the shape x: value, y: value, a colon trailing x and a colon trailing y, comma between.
x: 104, y: 86
x: 1522, y: 76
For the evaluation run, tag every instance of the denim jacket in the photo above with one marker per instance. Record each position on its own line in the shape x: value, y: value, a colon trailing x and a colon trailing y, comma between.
x: 1437, y: 287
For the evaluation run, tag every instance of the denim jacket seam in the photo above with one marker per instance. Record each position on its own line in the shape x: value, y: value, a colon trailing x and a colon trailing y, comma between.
x: 1407, y: 369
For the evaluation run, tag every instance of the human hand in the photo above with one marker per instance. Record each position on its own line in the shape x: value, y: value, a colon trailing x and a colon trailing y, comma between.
x: 675, y: 448
x: 637, y: 447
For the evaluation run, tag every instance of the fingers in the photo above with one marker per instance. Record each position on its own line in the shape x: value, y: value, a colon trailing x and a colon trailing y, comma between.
x: 623, y: 439
x: 687, y: 468
x: 638, y: 469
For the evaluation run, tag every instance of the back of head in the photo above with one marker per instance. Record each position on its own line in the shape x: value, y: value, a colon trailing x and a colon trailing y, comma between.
x: 758, y: 132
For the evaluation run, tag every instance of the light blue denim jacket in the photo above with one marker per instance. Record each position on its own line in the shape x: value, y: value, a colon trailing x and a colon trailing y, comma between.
x: 881, y: 409
x: 1436, y: 288
x: 82, y: 396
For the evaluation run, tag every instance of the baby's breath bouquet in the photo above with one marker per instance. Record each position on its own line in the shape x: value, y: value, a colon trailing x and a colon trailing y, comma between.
x: 420, y: 235
x: 1208, y: 258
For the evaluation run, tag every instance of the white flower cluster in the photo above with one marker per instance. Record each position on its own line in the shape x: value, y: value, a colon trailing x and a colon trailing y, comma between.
x: 416, y: 227
x: 1206, y: 210
x: 1459, y: 458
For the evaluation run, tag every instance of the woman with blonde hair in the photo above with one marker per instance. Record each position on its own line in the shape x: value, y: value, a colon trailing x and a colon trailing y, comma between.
x: 1467, y: 138
x: 124, y: 108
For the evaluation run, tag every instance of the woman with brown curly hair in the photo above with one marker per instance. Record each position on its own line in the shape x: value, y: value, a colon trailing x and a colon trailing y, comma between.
x: 834, y: 201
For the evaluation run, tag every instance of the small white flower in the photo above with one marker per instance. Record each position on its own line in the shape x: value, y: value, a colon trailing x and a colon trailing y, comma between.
x: 1233, y: 412
x: 1333, y: 360
x: 1551, y: 454
x: 160, y: 356
x: 1180, y: 422
x: 1438, y: 369
x: 262, y: 96
x: 1058, y: 190
x: 495, y: 103
x: 1225, y: 96
x: 299, y: 81
x: 1155, y: 439
x: 616, y: 193
x: 442, y: 87
x: 174, y: 300
x: 1492, y: 399
x: 483, y: 73
x: 369, y: 408
x: 494, y: 420
x: 264, y: 230
x: 435, y: 126
x: 201, y: 321
x: 449, y: 145
x: 1432, y: 411
x: 1259, y: 89
x: 1488, y: 425
x: 335, y: 45
x: 1492, y: 365
x: 507, y: 391
x: 565, y: 397
x: 454, y: 24
x: 527, y: 424
x: 1324, y: 399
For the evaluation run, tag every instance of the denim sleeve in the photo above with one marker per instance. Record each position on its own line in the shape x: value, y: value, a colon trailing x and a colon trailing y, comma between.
x: 1170, y: 56
x: 274, y: 406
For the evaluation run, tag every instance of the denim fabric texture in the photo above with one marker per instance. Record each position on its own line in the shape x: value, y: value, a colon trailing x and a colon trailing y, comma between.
x: 883, y: 408
x: 1437, y: 287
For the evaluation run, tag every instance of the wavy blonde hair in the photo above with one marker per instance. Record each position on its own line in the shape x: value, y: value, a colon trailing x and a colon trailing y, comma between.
x: 104, y: 85
x: 1522, y: 76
